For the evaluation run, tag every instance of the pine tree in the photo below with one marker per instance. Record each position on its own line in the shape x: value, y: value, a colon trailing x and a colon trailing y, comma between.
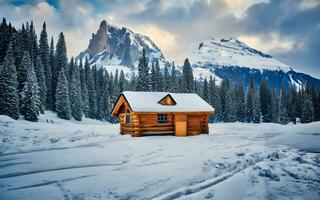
x: 307, y: 109
x: 166, y: 79
x: 283, y: 113
x: 84, y: 92
x: 293, y: 103
x: 91, y: 92
x: 215, y: 101
x: 174, y: 82
x: 205, y: 91
x: 154, y: 84
x: 38, y: 68
x: 44, y: 55
x: 62, y: 97
x: 30, y: 100
x: 33, y: 44
x: 116, y: 83
x: 5, y: 36
x: 256, y: 108
x: 60, y: 60
x: 187, y: 76
x: 8, y: 87
x: 274, y: 106
x: 17, y: 48
x: 159, y: 79
x: 225, y: 97
x: 240, y: 102
x: 75, y: 92
x: 54, y: 74
x: 143, y: 83
x: 122, y: 82
x: 265, y: 99
x: 253, y: 103
x: 22, y: 72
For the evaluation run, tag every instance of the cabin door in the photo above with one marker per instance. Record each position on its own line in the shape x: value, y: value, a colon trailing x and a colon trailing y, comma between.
x: 180, y: 123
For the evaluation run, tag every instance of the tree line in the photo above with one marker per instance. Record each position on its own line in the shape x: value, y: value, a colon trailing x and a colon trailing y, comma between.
x: 36, y: 75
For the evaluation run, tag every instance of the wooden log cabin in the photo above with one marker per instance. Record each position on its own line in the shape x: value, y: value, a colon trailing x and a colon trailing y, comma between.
x: 148, y: 113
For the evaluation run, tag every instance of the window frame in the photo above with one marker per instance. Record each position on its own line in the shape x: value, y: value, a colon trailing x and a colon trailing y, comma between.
x: 127, y: 118
x: 162, y: 118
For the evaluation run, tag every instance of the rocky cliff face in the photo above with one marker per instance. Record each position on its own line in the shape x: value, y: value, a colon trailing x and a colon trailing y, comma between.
x: 99, y: 40
x: 115, y: 48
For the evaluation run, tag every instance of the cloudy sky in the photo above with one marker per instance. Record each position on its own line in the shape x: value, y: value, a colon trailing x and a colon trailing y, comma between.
x: 287, y: 29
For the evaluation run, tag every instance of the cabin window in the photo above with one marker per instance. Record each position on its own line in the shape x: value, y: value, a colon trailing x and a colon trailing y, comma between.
x: 162, y: 118
x: 128, y: 119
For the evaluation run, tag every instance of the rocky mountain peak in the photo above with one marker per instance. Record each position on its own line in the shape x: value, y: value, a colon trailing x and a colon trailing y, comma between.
x: 98, y: 42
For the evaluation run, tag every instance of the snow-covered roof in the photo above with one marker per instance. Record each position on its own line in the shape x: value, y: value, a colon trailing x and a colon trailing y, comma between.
x: 149, y: 102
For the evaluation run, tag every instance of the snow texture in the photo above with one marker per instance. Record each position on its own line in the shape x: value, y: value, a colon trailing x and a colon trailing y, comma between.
x: 59, y: 159
x: 148, y: 102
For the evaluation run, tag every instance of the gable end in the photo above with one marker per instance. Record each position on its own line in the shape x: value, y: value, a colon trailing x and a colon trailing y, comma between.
x: 167, y: 101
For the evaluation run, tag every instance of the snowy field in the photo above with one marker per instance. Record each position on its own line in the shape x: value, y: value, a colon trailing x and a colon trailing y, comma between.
x: 57, y: 159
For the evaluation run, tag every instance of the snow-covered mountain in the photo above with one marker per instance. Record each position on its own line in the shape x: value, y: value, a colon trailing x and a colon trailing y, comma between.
x: 220, y: 57
x: 119, y: 48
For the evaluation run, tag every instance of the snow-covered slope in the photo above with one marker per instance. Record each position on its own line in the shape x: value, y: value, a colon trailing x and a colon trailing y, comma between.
x: 234, y: 59
x: 231, y: 52
x: 61, y: 159
x: 115, y: 48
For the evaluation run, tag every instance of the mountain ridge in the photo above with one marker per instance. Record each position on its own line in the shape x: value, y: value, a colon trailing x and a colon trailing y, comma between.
x: 120, y: 48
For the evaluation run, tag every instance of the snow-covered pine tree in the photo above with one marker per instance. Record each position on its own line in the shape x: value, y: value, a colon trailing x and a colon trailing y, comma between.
x: 116, y: 83
x: 54, y: 75
x: 38, y: 68
x: 256, y: 108
x: 159, y: 79
x: 122, y: 82
x: 234, y: 105
x: 143, y: 83
x: 315, y: 102
x: 44, y: 55
x: 274, y: 106
x: 62, y: 97
x: 225, y: 97
x: 174, y: 82
x: 91, y: 93
x: 240, y: 102
x: 265, y: 100
x: 187, y: 77
x: 33, y: 44
x: 205, y: 91
x: 307, y: 108
x: 22, y: 73
x: 252, y: 103
x: 153, y: 77
x: 17, y: 48
x: 293, y: 103
x: 60, y: 60
x: 30, y: 99
x: 84, y: 92
x: 9, y: 102
x: 283, y: 113
x: 100, y: 87
x: 25, y: 64
x: 6, y: 32
x: 75, y: 92
x: 215, y: 101
x: 166, y: 79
